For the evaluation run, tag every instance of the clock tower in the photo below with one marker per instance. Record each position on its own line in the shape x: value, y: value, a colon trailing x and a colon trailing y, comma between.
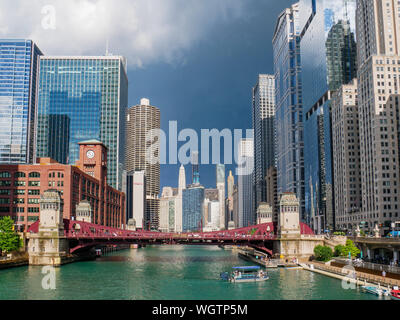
x: 93, y: 159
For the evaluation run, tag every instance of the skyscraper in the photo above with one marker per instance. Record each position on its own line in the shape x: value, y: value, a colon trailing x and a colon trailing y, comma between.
x: 246, y: 212
x: 346, y: 156
x: 136, y: 198
x: 192, y: 208
x: 89, y: 95
x: 378, y: 48
x: 142, y: 123
x: 220, y: 175
x: 264, y: 132
x: 178, y: 199
x: 327, y: 60
x: 289, y: 113
x: 229, y: 207
x: 18, y: 74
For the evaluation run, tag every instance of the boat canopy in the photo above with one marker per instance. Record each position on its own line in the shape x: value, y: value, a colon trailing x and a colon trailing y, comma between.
x: 247, y: 268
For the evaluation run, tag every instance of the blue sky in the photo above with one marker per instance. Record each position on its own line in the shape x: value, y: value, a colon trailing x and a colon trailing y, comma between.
x: 213, y: 88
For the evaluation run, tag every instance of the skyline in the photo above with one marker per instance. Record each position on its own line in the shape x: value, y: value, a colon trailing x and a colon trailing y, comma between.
x: 245, y: 37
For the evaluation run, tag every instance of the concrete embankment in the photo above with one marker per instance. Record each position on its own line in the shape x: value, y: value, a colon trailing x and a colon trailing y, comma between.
x: 18, y: 260
x: 358, y: 278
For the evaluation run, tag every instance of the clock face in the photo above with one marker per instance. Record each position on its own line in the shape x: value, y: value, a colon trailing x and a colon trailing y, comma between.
x: 90, y: 154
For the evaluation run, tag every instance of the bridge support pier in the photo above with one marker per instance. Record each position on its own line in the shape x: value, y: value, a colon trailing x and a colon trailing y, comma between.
x: 49, y: 246
x: 47, y: 249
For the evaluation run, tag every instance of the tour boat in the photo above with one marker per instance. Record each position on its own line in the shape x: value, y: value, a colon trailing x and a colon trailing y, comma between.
x: 375, y: 290
x: 395, y: 293
x: 245, y: 274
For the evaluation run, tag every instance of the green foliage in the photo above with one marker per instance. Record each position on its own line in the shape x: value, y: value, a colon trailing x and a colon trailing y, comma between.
x: 323, y: 253
x: 339, y: 233
x: 9, y: 239
x: 362, y: 233
x: 350, y: 247
x: 343, y: 251
x: 339, y: 249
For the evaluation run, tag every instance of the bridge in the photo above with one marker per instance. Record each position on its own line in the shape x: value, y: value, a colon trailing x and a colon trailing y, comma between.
x: 53, y: 240
x: 82, y: 236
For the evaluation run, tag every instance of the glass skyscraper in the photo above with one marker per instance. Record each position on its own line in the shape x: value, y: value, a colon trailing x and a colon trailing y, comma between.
x: 192, y: 208
x: 82, y: 98
x: 263, y: 108
x: 328, y: 52
x: 289, y: 113
x: 18, y: 73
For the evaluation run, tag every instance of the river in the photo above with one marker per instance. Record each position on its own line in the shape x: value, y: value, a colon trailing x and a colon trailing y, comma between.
x: 168, y: 272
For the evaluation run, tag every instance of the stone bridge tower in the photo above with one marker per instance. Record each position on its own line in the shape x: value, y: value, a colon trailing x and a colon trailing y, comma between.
x: 49, y: 246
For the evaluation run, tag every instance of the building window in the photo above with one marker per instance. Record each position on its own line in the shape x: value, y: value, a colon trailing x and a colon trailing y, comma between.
x: 5, y: 174
x: 34, y: 183
x: 34, y: 175
x: 19, y: 175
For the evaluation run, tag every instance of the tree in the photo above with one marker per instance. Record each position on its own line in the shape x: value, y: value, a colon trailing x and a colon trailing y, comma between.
x: 323, y: 253
x: 339, y: 249
x: 350, y: 247
x: 9, y: 239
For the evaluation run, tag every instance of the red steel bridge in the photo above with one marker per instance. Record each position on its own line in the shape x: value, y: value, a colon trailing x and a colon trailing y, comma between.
x: 84, y: 235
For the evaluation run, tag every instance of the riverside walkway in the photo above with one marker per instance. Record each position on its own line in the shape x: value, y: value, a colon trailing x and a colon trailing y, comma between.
x: 357, y: 277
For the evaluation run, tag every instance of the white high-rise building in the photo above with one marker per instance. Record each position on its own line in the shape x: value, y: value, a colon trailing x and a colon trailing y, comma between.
x: 245, y: 183
x: 214, y: 214
x: 220, y: 173
x: 136, y: 198
x: 178, y: 199
x: 378, y: 49
x: 167, y: 210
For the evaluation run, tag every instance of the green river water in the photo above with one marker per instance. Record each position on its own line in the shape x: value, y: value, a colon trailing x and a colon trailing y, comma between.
x: 172, y: 273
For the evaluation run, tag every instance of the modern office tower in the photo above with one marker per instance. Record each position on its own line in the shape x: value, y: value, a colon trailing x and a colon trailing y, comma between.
x: 289, y: 111
x: 142, y: 123
x: 378, y: 41
x: 136, y: 198
x: 346, y: 156
x: 178, y: 199
x: 195, y: 168
x: 167, y: 210
x: 18, y: 75
x: 229, y: 205
x: 220, y: 174
x: 264, y: 132
x: 272, y: 193
x: 327, y: 61
x: 89, y: 93
x: 246, y: 211
x: 192, y: 208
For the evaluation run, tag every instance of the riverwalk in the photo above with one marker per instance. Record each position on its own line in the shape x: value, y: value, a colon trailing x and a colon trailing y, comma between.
x: 359, y: 278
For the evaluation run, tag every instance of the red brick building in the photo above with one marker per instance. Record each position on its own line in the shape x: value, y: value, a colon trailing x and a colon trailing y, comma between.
x: 22, y: 185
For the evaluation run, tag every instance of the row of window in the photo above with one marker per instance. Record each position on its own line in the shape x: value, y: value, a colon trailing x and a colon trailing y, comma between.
x: 6, y: 174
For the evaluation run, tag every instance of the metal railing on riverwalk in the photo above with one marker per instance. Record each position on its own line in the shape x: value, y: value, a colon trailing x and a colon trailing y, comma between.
x: 361, y: 276
x: 371, y: 266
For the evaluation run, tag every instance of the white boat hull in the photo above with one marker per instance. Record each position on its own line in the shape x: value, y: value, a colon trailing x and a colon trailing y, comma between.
x: 249, y: 280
